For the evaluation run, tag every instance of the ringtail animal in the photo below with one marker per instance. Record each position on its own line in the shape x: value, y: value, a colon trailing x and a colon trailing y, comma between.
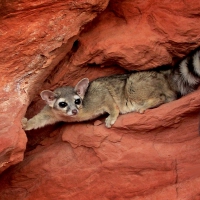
x: 117, y: 94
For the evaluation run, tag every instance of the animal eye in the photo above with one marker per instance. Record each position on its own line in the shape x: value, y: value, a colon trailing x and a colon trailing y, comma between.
x: 77, y: 101
x: 63, y: 104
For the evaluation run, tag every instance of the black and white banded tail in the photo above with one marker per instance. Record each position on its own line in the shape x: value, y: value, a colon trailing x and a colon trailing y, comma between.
x: 186, y: 76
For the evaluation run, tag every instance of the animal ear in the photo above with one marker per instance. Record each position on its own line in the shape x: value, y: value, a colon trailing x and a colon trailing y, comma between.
x: 49, y: 97
x: 81, y: 87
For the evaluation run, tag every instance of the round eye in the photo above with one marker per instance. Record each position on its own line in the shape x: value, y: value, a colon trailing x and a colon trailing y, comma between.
x: 77, y: 101
x: 62, y: 104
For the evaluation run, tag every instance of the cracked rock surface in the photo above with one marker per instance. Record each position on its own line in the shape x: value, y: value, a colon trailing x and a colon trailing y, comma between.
x: 45, y: 44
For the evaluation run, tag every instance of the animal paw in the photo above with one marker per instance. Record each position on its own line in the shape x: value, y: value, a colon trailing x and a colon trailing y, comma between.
x: 141, y: 111
x: 24, y: 122
x: 109, y: 122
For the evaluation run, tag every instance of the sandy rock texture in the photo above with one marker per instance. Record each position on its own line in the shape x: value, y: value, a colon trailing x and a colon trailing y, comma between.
x: 35, y: 37
x: 45, y: 44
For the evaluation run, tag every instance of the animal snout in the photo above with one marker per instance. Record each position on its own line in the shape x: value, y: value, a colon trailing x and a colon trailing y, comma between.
x: 74, y: 111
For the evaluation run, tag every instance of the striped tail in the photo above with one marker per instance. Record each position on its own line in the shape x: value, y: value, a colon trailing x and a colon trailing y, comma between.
x: 186, y: 76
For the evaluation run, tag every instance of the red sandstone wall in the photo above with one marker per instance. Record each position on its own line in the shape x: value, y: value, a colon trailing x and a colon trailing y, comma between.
x: 45, y: 44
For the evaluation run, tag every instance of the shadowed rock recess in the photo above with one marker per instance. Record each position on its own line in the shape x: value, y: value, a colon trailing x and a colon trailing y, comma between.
x: 45, y: 44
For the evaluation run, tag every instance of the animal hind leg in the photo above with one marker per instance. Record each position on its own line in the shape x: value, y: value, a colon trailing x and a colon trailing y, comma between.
x: 152, y: 103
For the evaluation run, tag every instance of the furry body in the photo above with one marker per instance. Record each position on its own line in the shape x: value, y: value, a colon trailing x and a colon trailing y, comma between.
x: 118, y: 94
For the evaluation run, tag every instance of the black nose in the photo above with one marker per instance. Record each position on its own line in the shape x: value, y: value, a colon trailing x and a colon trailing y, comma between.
x: 74, y: 112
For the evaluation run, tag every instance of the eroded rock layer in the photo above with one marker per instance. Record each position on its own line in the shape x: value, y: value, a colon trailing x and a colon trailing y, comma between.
x: 46, y: 44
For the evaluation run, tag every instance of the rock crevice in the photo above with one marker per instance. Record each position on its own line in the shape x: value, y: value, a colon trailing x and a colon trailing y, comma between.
x: 44, y: 45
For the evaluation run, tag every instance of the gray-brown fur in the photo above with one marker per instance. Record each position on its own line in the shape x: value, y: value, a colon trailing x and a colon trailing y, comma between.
x: 117, y: 94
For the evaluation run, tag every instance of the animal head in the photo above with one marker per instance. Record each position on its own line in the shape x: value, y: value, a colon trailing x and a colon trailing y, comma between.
x: 66, y: 100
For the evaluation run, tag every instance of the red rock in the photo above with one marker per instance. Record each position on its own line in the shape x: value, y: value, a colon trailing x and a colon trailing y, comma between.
x: 44, y: 44
x: 140, y: 34
x: 35, y: 37
x: 155, y: 160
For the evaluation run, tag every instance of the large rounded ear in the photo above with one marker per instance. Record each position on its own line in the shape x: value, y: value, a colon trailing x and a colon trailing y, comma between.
x: 81, y: 87
x: 49, y: 97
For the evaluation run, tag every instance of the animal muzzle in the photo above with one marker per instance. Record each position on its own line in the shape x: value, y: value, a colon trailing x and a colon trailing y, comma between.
x: 74, y: 111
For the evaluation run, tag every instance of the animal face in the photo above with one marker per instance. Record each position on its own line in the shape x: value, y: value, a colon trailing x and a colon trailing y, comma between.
x: 69, y: 105
x: 66, y: 101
